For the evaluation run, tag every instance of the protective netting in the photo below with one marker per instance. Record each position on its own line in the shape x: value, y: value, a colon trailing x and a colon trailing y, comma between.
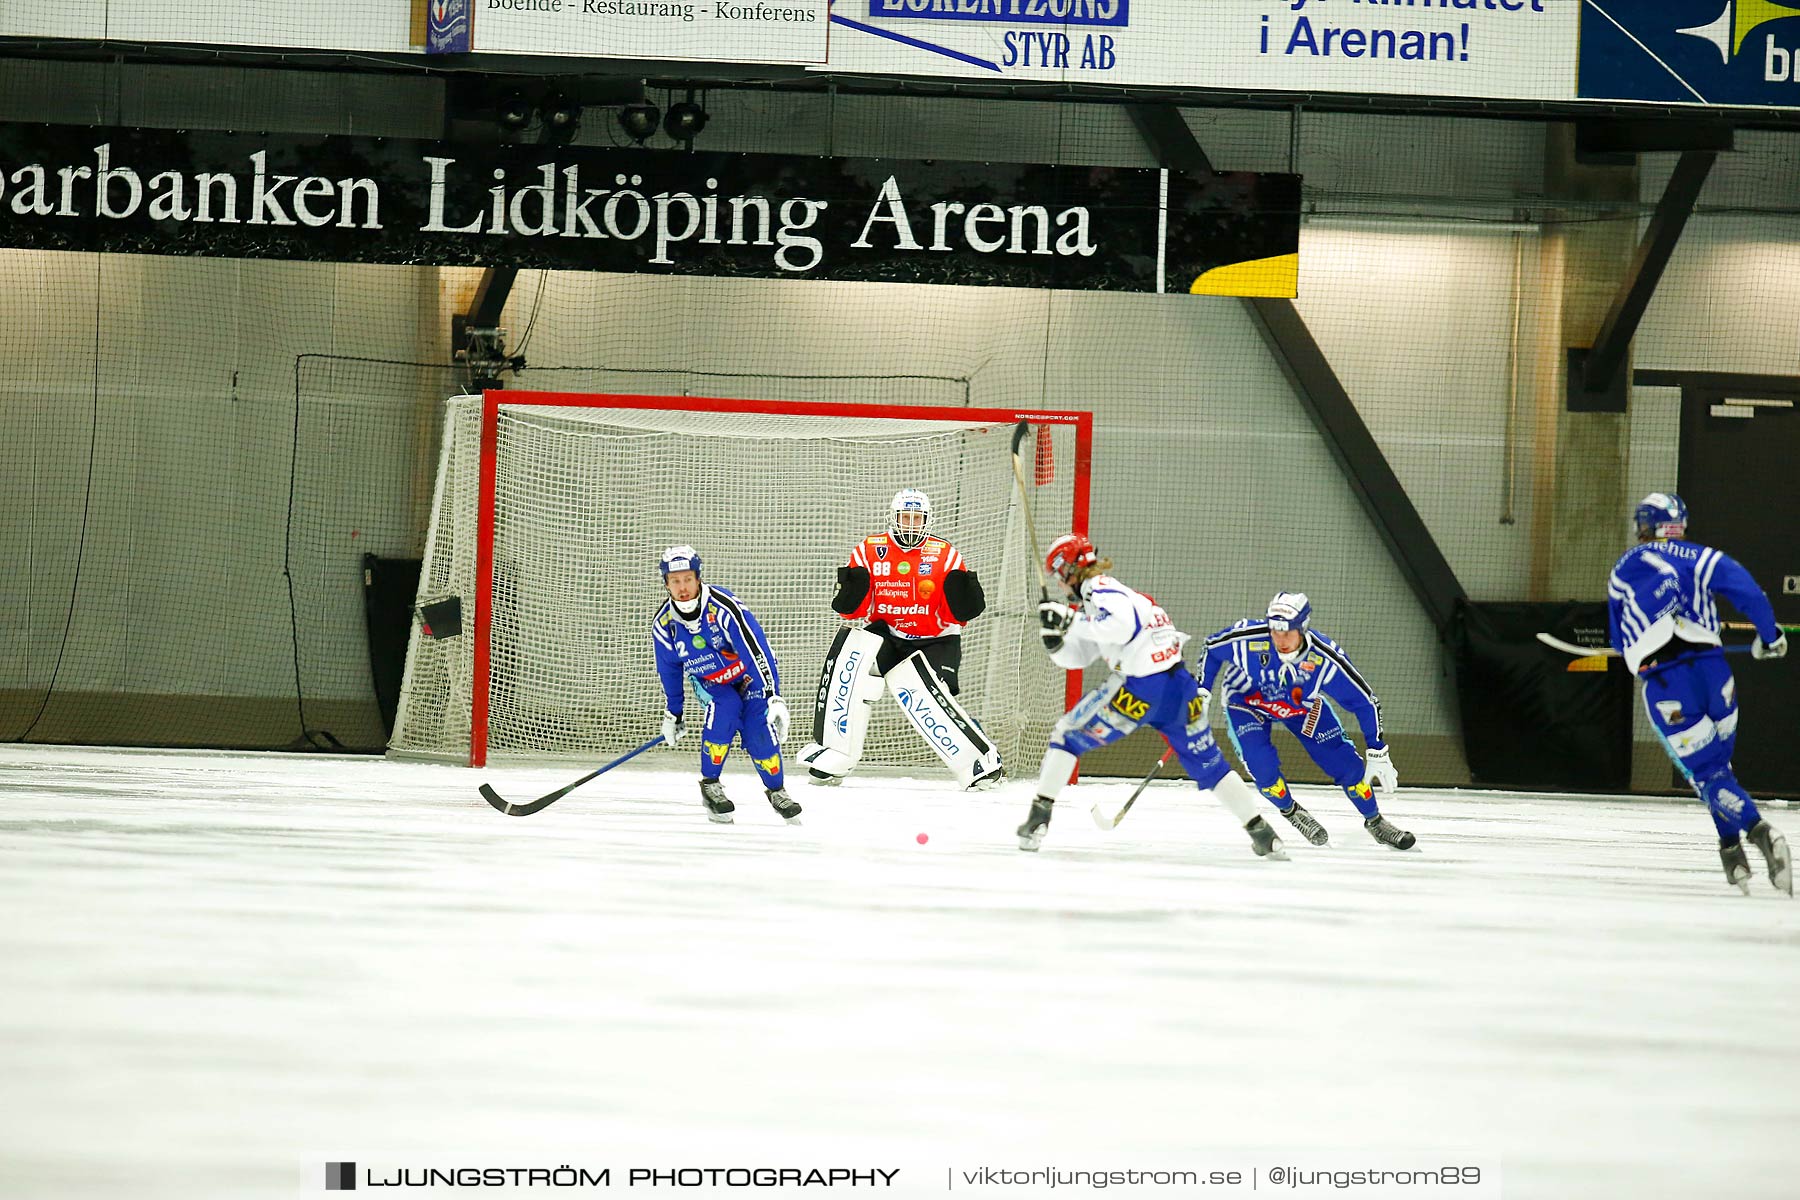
x: 587, y: 497
x: 199, y: 452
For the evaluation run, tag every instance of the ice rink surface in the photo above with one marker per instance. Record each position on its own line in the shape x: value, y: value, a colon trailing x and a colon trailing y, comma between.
x: 223, y: 971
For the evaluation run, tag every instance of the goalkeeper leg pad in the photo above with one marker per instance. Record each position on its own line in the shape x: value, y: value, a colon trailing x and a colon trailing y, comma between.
x: 944, y: 724
x: 848, y: 690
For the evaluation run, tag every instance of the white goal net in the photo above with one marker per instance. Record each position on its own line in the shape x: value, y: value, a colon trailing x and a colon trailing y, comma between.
x: 586, y: 495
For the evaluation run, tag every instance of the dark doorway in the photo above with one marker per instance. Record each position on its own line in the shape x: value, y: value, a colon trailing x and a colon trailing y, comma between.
x: 1740, y: 476
x: 390, y: 587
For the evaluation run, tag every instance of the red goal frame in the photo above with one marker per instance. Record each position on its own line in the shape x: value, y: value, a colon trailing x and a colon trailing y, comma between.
x: 1081, y: 421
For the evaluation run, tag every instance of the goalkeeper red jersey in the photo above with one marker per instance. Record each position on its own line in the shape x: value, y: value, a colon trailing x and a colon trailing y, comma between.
x: 906, y: 586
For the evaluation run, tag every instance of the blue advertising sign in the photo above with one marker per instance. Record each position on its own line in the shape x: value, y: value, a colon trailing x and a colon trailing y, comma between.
x: 1017, y: 12
x: 1724, y: 52
x: 447, y: 26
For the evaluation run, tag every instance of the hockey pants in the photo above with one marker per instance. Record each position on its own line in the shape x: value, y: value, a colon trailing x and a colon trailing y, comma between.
x: 1692, y: 703
x: 731, y: 714
x: 1327, y: 745
x: 1165, y: 702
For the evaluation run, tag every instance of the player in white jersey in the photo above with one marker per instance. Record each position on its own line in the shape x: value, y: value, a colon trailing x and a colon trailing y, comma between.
x: 1150, y: 685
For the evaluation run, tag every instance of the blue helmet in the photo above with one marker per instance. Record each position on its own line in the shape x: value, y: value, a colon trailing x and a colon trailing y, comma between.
x: 680, y: 558
x: 1660, y: 515
x: 1290, y: 610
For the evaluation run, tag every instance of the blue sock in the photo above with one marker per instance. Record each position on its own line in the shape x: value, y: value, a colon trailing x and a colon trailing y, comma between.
x: 1733, y: 811
x: 1363, y: 796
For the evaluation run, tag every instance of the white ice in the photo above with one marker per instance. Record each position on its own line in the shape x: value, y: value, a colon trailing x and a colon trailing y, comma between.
x: 222, y: 971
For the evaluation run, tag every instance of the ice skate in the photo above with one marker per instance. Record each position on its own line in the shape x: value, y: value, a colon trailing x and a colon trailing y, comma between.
x: 1264, y: 841
x: 1774, y: 849
x: 1037, y: 824
x: 1737, y: 866
x: 1309, y: 828
x: 785, y: 805
x: 990, y: 781
x: 1388, y: 833
x: 822, y: 779
x: 718, y: 806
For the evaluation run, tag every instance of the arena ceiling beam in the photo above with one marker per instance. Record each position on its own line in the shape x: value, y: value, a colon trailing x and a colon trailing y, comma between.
x: 1599, y: 373
x: 1326, y: 401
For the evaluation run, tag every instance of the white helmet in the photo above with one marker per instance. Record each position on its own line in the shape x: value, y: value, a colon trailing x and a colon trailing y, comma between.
x: 1290, y: 610
x: 916, y: 507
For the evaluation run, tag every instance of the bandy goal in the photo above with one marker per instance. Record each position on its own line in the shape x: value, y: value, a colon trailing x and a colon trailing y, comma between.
x: 551, y: 509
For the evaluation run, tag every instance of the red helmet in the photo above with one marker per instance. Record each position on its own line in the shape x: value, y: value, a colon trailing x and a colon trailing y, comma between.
x: 1068, y: 554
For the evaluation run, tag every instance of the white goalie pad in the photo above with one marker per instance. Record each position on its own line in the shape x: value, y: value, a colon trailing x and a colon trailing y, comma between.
x: 941, y: 721
x: 848, y: 690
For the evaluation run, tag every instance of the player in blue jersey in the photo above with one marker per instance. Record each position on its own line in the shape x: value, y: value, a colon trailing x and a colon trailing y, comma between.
x: 1279, y: 671
x: 1664, y: 621
x: 702, y: 632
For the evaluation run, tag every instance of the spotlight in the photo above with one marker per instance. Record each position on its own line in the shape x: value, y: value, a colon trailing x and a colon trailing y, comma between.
x: 562, y: 117
x: 513, y: 113
x: 685, y: 120
x: 639, y: 121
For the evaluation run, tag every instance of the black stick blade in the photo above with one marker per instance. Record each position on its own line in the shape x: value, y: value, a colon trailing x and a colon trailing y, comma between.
x: 1021, y: 431
x: 520, y: 810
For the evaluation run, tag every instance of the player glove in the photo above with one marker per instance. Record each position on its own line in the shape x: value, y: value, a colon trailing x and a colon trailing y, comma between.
x: 1054, y: 619
x: 853, y: 589
x: 1378, y: 770
x: 778, y: 719
x: 963, y: 596
x: 673, y: 728
x: 1775, y: 649
x: 1201, y: 720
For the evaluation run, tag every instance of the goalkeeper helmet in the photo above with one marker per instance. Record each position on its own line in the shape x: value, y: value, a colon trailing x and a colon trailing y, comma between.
x: 1069, y: 554
x: 679, y: 558
x: 912, y: 517
x: 1290, y: 611
x: 1660, y: 515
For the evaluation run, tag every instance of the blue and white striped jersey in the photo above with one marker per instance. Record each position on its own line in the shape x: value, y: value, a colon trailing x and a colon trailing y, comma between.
x: 1242, y: 664
x: 1664, y: 590
x: 722, y: 647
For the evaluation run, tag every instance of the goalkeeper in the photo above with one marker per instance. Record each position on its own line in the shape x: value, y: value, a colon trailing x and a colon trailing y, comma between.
x: 917, y: 594
x: 702, y: 632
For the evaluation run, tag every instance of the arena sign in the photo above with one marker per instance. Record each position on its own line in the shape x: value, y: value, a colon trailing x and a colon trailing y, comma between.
x: 1727, y: 52
x: 746, y: 31
x: 378, y: 200
x: 1496, y: 49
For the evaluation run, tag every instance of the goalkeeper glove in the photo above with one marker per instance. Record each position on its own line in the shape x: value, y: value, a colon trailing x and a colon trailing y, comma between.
x: 1054, y: 620
x: 673, y: 728
x: 1378, y: 770
x: 1775, y: 649
x: 1200, y: 718
x: 778, y: 719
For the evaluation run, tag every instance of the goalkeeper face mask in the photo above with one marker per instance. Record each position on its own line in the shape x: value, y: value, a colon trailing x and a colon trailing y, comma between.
x: 912, y: 517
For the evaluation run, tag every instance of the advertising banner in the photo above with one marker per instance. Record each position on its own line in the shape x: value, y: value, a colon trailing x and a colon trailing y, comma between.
x: 1498, y: 49
x: 738, y: 31
x: 1725, y: 52
x: 383, y: 200
x: 447, y: 26
x: 377, y: 25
